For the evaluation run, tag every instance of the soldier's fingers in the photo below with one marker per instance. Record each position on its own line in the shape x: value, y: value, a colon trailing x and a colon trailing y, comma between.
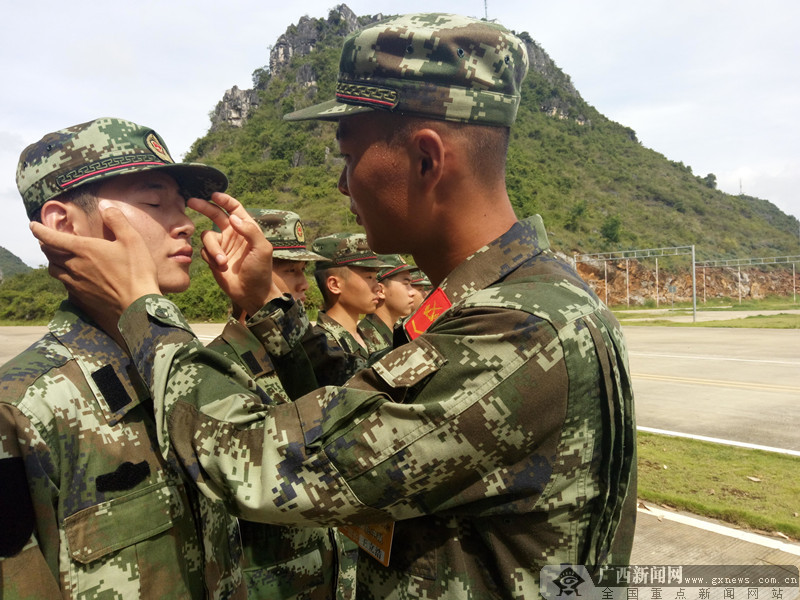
x: 212, y: 251
x: 53, y: 239
x: 61, y: 273
x: 218, y: 216
x: 118, y: 223
x: 229, y: 204
x: 56, y: 256
x: 251, y: 232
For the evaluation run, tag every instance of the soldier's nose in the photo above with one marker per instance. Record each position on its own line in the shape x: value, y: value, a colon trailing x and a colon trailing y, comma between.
x: 343, y: 183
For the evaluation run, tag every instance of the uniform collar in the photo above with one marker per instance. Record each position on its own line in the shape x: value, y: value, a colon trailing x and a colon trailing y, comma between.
x: 492, y: 263
x: 340, y: 334
x: 486, y: 266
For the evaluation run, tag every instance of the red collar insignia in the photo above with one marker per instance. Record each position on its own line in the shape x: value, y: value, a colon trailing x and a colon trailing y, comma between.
x: 435, y: 304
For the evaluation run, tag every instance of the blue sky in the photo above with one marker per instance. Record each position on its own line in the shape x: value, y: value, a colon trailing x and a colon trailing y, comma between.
x: 712, y: 84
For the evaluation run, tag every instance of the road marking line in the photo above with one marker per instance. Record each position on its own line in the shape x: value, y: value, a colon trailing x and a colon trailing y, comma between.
x: 792, y: 363
x: 719, y: 382
x: 745, y: 536
x: 704, y: 438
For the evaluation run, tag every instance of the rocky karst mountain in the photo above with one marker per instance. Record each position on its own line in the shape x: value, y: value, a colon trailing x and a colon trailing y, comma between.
x: 595, y: 185
x: 597, y: 188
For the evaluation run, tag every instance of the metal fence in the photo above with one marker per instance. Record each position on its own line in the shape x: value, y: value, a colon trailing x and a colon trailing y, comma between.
x: 657, y: 253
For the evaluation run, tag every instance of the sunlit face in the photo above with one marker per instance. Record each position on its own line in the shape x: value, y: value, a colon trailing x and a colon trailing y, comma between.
x: 151, y: 203
x: 359, y: 290
x: 418, y: 295
x: 293, y: 274
x: 375, y: 177
x: 398, y: 295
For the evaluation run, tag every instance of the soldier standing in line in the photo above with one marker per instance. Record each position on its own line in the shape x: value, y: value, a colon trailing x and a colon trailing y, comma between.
x: 89, y: 506
x: 347, y: 278
x: 500, y: 437
x: 396, y: 298
x: 290, y: 256
x: 286, y: 561
x: 421, y: 285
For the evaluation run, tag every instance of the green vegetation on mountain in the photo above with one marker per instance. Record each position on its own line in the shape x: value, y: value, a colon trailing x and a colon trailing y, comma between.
x: 597, y: 188
x: 11, y: 264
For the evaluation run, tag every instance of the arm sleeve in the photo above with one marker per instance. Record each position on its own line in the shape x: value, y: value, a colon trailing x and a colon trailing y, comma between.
x: 24, y: 569
x: 416, y: 433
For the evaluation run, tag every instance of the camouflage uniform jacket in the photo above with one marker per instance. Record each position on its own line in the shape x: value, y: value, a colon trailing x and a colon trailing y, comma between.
x: 341, y: 356
x: 499, y: 441
x: 90, y: 507
x: 375, y: 326
x: 283, y: 562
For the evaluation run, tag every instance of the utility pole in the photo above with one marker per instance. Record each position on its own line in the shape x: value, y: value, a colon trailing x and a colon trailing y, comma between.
x: 485, y: 10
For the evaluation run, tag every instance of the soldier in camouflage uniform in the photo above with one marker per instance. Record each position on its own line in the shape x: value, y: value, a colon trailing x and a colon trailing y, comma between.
x: 90, y: 507
x: 347, y: 278
x: 286, y: 561
x: 421, y: 285
x: 285, y: 232
x: 500, y: 437
x: 396, y: 298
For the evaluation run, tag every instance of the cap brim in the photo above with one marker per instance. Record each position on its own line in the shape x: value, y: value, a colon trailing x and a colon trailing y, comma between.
x: 196, y: 179
x: 370, y: 263
x: 396, y: 270
x: 305, y: 255
x: 331, y: 110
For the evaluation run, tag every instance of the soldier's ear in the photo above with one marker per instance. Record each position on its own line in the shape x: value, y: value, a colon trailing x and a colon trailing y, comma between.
x: 428, y: 157
x: 334, y: 284
x: 58, y: 215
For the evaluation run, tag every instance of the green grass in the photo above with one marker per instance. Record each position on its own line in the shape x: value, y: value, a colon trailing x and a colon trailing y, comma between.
x: 751, y: 489
x: 720, y: 304
x: 628, y: 316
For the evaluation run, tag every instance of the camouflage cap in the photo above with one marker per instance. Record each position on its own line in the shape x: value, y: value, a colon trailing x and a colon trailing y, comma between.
x: 346, y: 250
x: 99, y: 149
x: 419, y: 278
x: 398, y: 265
x: 434, y: 65
x: 284, y: 230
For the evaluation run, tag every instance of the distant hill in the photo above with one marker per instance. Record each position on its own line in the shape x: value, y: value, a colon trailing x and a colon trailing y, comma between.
x: 11, y: 264
x: 597, y: 188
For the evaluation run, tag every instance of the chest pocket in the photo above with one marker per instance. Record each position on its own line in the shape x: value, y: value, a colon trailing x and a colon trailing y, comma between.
x: 124, y: 543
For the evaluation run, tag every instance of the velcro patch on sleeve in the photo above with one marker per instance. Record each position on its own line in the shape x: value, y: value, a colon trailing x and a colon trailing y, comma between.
x: 17, y: 519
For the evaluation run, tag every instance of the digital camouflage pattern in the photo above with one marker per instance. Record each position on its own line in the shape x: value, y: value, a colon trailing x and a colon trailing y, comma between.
x: 99, y: 149
x: 373, y: 326
x: 397, y: 264
x: 345, y: 250
x: 499, y: 441
x: 90, y: 508
x: 284, y: 562
x: 342, y: 356
x: 430, y: 65
x: 284, y: 230
x: 420, y: 279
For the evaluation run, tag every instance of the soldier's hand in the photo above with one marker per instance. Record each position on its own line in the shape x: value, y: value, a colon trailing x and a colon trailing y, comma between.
x: 239, y: 255
x: 107, y: 275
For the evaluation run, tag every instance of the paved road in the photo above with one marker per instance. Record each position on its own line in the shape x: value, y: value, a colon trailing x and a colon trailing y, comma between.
x: 734, y: 384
